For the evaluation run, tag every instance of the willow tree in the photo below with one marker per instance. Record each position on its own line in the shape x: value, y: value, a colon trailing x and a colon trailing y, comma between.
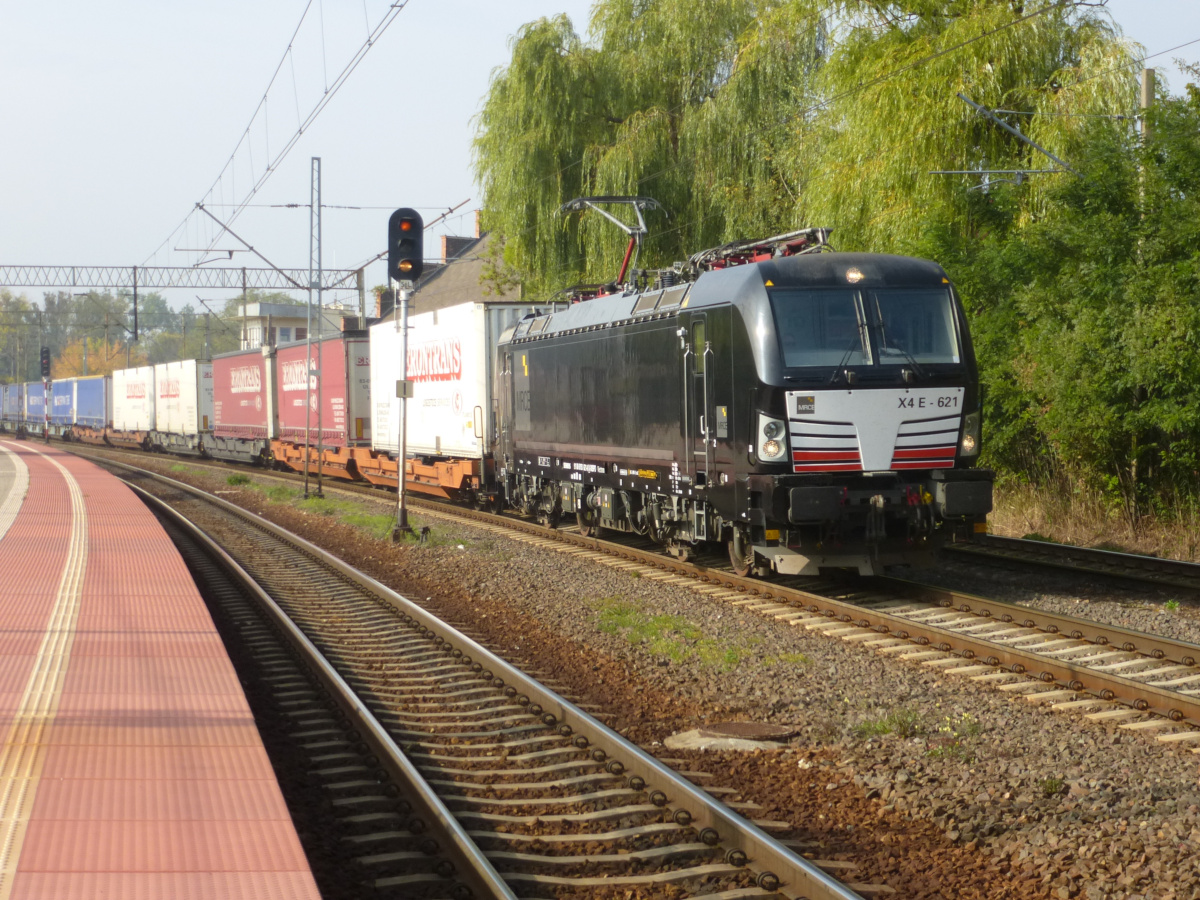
x: 747, y: 117
x: 667, y: 98
x: 892, y: 115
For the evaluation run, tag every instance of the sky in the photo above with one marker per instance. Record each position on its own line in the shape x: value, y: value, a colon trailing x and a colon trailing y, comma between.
x: 120, y: 117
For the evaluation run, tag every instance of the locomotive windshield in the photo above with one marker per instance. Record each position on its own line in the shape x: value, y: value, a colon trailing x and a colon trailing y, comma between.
x: 845, y: 327
x: 821, y: 327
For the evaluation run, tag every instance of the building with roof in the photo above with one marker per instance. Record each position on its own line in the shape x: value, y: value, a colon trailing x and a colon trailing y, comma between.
x: 280, y: 323
x: 456, y: 277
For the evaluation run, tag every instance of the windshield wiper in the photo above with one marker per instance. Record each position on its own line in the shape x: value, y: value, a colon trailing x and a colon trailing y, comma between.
x: 917, y: 371
x: 855, y: 343
x: 884, y: 347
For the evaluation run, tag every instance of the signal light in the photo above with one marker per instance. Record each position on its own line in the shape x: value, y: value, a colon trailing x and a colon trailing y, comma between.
x: 406, y: 239
x: 45, y: 362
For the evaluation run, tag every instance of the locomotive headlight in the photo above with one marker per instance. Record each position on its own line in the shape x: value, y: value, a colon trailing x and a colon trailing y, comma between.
x: 772, y: 442
x: 969, y: 446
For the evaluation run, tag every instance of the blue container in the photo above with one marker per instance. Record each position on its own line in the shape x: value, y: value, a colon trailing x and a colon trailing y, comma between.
x: 62, y: 402
x: 35, y: 403
x: 93, y: 401
x: 13, y: 409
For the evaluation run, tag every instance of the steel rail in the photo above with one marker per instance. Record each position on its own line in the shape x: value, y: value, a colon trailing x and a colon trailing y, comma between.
x: 778, y: 868
x: 1143, y: 697
x: 1154, y: 646
x: 1105, y: 563
x: 479, y: 874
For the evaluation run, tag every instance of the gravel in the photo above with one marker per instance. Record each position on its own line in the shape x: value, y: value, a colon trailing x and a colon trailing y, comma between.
x: 933, y: 784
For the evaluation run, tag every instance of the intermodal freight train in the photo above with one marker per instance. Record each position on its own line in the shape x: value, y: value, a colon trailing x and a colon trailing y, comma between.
x: 807, y: 409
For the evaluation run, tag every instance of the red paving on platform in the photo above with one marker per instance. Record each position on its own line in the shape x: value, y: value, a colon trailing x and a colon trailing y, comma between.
x: 130, y: 765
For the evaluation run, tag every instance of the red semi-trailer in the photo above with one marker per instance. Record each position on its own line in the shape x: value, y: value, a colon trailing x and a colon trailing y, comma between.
x: 245, y: 420
x: 342, y: 393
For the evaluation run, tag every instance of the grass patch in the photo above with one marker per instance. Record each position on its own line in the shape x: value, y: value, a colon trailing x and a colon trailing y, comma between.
x: 1050, y: 786
x: 672, y: 637
x: 321, y: 506
x: 279, y: 493
x: 238, y: 479
x: 1065, y: 513
x: 965, y: 725
x: 794, y: 659
x: 950, y: 741
x: 378, y: 526
x: 362, y: 515
x: 180, y: 467
x: 1172, y: 606
x: 787, y: 659
x: 949, y: 749
x: 902, y: 722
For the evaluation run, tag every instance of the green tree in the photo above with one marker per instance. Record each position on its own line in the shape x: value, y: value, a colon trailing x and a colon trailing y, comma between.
x: 891, y: 114
x: 16, y: 323
x: 154, y: 314
x: 1087, y: 318
x: 745, y: 118
x: 667, y: 99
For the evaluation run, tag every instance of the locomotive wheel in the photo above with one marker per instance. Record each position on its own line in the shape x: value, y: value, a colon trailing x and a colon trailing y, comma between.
x: 741, y: 554
x: 586, y: 519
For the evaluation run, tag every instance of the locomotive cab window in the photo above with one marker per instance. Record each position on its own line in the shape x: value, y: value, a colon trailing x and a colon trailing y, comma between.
x: 835, y: 327
x: 820, y: 328
x: 913, y: 324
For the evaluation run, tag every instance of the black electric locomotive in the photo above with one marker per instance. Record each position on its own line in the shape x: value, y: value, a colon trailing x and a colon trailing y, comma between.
x: 807, y: 408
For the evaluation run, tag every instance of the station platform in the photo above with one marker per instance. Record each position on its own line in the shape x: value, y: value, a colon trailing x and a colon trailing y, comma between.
x: 130, y: 765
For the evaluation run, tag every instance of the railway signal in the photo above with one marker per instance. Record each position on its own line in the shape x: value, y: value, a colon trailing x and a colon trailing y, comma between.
x: 406, y: 239
x: 45, y: 362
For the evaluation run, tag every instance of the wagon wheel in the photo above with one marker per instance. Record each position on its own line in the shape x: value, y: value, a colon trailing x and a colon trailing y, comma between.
x: 585, y: 517
x: 741, y: 553
x: 550, y: 518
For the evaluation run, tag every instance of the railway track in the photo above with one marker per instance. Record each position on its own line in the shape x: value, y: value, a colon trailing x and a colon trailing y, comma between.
x: 521, y: 792
x: 1138, y: 681
x: 1167, y: 573
x: 1135, y: 680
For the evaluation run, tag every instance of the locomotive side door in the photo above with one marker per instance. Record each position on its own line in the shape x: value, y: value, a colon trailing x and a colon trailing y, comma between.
x: 505, y: 402
x: 698, y: 399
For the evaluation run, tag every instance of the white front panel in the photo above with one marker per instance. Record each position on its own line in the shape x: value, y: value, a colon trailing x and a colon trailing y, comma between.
x: 874, y: 430
x: 133, y: 399
x: 447, y: 362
